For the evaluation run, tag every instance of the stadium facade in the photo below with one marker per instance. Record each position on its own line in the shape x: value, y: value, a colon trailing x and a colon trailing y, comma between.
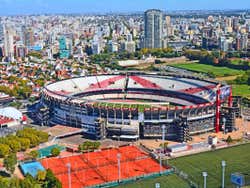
x: 135, y: 105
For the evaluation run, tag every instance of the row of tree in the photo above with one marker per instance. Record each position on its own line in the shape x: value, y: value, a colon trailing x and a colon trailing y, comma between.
x: 44, y: 179
x: 23, y: 140
x: 158, y: 52
x: 21, y: 89
x: 89, y: 146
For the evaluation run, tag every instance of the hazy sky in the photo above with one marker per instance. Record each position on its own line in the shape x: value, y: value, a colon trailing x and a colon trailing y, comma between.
x: 86, y: 6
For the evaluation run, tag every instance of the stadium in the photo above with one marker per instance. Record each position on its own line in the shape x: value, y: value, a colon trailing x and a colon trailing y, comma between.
x: 133, y: 105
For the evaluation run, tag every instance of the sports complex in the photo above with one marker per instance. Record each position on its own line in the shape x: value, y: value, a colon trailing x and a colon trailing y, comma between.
x: 133, y: 105
x: 105, y: 168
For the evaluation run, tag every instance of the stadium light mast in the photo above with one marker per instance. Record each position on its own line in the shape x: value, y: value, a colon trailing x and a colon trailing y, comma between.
x: 204, y: 174
x: 119, y: 166
x: 69, y: 174
x: 223, y: 165
x: 162, y: 146
x: 163, y: 132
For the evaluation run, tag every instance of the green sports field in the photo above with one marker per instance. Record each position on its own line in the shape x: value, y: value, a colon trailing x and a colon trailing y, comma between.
x: 203, y: 68
x: 241, y: 90
x: 171, y: 181
x: 237, y: 159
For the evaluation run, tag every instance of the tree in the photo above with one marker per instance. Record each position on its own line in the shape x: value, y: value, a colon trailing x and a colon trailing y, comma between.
x: 34, y: 154
x: 4, y: 182
x: 33, y: 135
x: 10, y: 162
x: 14, y: 145
x: 43, y: 136
x: 52, y: 181
x: 28, y: 182
x: 25, y: 143
x: 164, y: 145
x: 14, y: 182
x: 229, y: 139
x: 4, y: 150
x: 41, y: 175
x: 213, y: 147
x: 86, y: 146
x: 55, y: 152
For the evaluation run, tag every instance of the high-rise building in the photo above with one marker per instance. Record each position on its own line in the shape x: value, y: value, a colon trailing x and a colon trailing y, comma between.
x: 235, y: 24
x: 96, y: 48
x: 241, y: 42
x: 223, y: 44
x: 168, y: 21
x: 1, y: 34
x: 28, y: 37
x: 20, y: 51
x: 8, y: 43
x: 228, y: 22
x: 168, y: 26
x: 64, y: 52
x: 128, y: 46
x: 153, y: 28
x: 112, y: 46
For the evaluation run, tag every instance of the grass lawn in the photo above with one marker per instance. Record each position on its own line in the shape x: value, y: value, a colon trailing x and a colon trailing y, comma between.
x: 237, y: 159
x: 203, y: 68
x: 171, y: 181
x: 242, y: 90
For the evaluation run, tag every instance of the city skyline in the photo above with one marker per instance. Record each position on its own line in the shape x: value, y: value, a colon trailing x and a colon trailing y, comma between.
x: 20, y: 7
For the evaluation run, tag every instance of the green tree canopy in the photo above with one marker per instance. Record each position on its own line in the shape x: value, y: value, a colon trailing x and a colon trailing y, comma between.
x: 34, y: 154
x: 10, y: 161
x: 55, y: 152
x: 4, y: 150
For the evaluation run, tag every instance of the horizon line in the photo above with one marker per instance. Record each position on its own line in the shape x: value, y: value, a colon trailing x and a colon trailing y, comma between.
x: 123, y: 12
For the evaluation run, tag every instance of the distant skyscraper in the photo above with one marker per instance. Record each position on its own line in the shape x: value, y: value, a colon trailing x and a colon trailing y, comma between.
x: 8, y: 44
x: 1, y: 34
x: 153, y: 28
x: 168, y: 21
x: 64, y: 52
x: 241, y: 42
x: 236, y: 24
x: 223, y: 44
x: 28, y: 37
x: 96, y: 49
x: 168, y: 26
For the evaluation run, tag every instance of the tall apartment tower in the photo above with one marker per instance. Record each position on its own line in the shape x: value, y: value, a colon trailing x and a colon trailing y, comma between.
x: 8, y: 43
x: 28, y: 37
x: 1, y: 34
x: 153, y: 28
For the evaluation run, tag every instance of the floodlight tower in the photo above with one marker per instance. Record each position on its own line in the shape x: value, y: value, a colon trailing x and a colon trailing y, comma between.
x: 119, y: 166
x: 223, y: 165
x: 69, y: 174
x: 204, y: 174
x: 163, y: 132
x: 162, y: 147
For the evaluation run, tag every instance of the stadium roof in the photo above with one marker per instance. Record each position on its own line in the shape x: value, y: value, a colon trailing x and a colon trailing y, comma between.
x: 11, y: 112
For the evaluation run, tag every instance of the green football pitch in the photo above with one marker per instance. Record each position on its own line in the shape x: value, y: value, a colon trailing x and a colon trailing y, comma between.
x: 171, y: 181
x: 237, y: 160
x: 203, y: 68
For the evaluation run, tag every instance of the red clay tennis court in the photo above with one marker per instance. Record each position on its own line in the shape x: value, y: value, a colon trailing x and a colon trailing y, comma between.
x: 100, y: 167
